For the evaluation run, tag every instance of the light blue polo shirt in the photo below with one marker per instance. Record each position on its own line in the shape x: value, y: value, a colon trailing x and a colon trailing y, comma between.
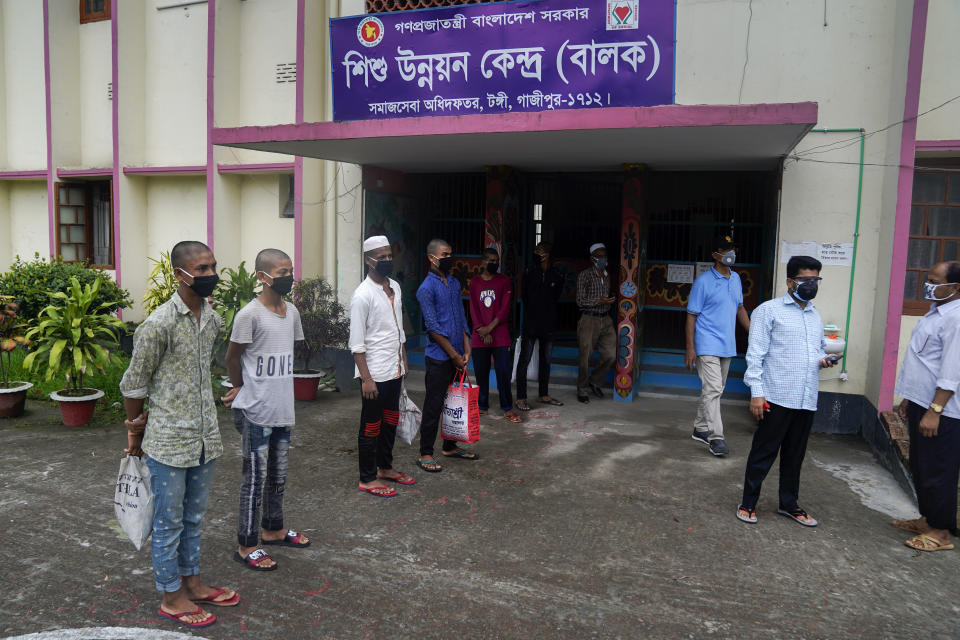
x: 714, y: 299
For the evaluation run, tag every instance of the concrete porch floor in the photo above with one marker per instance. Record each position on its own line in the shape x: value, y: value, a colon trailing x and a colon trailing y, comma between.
x: 587, y: 521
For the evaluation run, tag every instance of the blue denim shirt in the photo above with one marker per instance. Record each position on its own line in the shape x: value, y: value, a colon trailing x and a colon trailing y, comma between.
x: 442, y: 310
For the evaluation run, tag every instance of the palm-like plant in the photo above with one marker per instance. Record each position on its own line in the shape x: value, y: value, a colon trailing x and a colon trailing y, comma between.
x: 10, y: 337
x: 323, y: 318
x: 71, y: 338
x: 237, y: 288
x: 161, y: 283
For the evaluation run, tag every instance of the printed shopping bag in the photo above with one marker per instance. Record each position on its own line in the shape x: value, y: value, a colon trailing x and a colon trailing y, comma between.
x: 133, y: 500
x: 410, y: 416
x: 461, y: 411
x: 533, y: 368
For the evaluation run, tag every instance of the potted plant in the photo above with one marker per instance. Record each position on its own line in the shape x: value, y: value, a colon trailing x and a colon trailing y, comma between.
x: 69, y: 339
x: 13, y: 395
x: 325, y: 325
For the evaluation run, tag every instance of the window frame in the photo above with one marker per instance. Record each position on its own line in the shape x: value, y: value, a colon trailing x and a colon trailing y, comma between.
x: 88, y: 206
x: 917, y: 306
x: 94, y: 16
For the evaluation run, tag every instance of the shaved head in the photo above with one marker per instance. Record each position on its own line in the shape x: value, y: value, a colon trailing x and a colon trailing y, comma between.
x: 268, y: 259
x: 183, y: 251
x: 435, y: 245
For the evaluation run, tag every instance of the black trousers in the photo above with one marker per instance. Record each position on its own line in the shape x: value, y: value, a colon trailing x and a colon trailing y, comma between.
x: 543, y: 371
x: 500, y: 356
x: 785, y: 431
x: 439, y: 376
x: 378, y: 429
x: 935, y: 465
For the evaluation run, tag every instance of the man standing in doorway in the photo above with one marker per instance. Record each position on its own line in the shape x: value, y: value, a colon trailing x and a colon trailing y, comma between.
x: 490, y: 295
x: 714, y: 307
x: 784, y: 359
x: 595, y: 328
x: 542, y: 287
x: 447, y: 352
x: 378, y: 344
x: 928, y: 383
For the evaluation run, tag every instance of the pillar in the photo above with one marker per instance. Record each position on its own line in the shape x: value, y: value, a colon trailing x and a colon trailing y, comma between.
x: 629, y: 297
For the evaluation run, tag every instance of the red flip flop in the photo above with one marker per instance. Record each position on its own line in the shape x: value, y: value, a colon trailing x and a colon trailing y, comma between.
x: 400, y: 479
x: 217, y: 592
x: 179, y: 617
x: 378, y: 491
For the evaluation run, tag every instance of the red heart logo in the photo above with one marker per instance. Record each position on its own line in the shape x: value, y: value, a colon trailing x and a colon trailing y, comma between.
x: 622, y: 12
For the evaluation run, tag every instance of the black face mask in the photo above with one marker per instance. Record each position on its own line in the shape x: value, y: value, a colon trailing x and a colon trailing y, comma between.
x: 806, y: 291
x: 445, y: 264
x: 493, y: 267
x: 282, y: 284
x: 203, y: 286
x: 384, y: 267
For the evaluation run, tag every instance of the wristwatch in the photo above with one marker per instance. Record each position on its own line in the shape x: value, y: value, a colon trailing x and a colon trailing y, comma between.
x: 936, y: 408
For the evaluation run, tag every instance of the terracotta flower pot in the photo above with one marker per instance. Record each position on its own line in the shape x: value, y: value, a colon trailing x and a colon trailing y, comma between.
x: 77, y: 411
x: 305, y: 384
x: 12, y: 399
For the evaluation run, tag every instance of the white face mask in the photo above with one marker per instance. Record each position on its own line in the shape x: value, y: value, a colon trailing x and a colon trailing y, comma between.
x: 729, y: 258
x: 930, y: 291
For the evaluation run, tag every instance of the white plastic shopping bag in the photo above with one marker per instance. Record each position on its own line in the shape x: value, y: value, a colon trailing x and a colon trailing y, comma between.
x: 533, y: 369
x: 410, y: 416
x: 461, y: 411
x: 133, y: 500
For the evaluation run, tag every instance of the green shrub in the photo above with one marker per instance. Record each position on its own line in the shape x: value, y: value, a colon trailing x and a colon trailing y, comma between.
x: 161, y: 283
x: 324, y: 319
x: 237, y: 288
x: 70, y: 337
x: 31, y: 283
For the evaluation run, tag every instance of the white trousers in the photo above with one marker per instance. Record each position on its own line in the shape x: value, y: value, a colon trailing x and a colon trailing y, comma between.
x: 713, y: 378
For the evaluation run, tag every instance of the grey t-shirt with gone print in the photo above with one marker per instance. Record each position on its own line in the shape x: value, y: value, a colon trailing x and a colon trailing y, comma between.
x: 267, y: 393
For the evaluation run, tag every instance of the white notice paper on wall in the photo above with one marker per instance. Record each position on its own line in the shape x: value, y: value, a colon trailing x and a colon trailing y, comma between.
x: 680, y: 273
x: 836, y: 254
x: 790, y: 249
x: 703, y: 267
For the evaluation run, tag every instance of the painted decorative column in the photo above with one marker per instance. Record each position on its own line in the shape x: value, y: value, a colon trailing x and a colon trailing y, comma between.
x: 502, y: 227
x: 628, y: 297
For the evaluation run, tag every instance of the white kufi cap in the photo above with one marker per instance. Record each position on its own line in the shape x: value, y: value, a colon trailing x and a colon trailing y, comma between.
x: 598, y: 245
x: 375, y: 242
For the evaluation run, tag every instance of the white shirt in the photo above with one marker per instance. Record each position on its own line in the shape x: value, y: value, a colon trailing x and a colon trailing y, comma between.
x: 932, y: 360
x: 376, y: 329
x: 783, y: 358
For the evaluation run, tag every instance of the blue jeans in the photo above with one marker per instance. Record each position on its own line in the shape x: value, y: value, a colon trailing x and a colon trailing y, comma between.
x: 179, y: 504
x: 265, y: 454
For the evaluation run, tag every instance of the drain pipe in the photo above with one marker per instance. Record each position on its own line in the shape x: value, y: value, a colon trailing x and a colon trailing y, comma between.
x: 856, y: 239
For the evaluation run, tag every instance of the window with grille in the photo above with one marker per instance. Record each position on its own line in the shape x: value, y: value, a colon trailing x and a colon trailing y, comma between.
x: 94, y: 10
x: 85, y: 223
x: 934, y: 230
x: 378, y: 6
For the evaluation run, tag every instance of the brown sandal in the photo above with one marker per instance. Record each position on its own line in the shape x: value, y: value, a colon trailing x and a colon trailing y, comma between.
x: 923, y: 542
x: 522, y: 405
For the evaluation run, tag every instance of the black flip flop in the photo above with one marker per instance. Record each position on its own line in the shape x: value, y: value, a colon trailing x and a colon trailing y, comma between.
x: 250, y: 562
x: 463, y: 454
x: 436, y: 466
x: 525, y: 408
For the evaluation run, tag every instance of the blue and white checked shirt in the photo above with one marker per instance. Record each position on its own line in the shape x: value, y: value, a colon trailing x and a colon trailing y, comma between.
x: 933, y: 359
x: 783, y: 359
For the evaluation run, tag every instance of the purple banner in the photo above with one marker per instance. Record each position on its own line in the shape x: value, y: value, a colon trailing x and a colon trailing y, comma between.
x: 501, y: 57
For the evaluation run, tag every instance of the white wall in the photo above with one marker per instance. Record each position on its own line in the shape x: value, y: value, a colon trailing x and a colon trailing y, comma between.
x: 268, y: 33
x: 261, y: 226
x: 6, y: 255
x: 176, y: 209
x: 28, y: 218
x: 941, y: 73
x: 24, y: 93
x: 96, y: 116
x: 66, y: 78
x: 175, y: 90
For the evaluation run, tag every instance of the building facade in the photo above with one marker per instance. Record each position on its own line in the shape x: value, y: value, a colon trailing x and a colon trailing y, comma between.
x: 823, y: 128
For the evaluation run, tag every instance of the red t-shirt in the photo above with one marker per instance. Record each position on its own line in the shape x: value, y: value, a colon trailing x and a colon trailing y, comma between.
x: 490, y: 299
